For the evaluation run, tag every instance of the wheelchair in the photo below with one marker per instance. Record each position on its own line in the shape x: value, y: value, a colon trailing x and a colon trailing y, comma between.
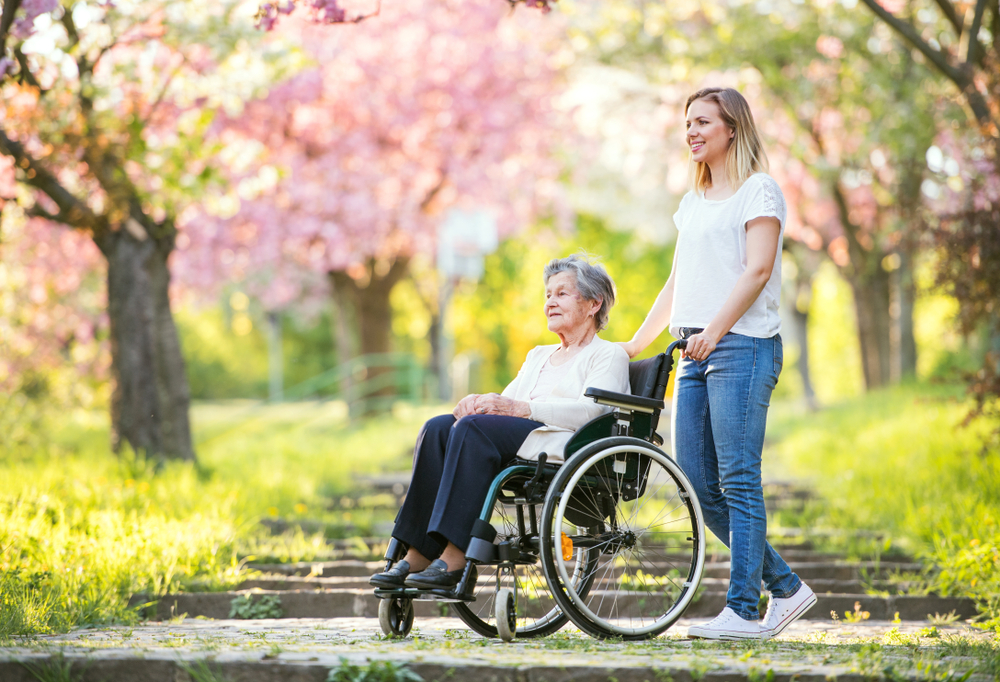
x: 612, y: 539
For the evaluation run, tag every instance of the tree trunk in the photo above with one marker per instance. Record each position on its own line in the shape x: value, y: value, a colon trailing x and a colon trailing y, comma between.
x: 904, y: 341
x: 367, y: 299
x: 150, y: 396
x: 800, y: 330
x: 803, y: 264
x: 871, y: 309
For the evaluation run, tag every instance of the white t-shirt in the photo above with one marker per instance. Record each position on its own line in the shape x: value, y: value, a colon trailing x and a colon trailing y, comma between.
x: 712, y: 254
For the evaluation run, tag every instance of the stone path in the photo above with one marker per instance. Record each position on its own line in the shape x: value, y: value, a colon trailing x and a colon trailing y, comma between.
x: 444, y: 649
x: 326, y: 622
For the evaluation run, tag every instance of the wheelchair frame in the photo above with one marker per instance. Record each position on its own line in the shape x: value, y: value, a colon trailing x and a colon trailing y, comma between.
x: 621, y: 447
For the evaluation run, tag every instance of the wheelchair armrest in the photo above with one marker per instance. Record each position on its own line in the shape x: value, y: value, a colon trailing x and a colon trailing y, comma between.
x: 624, y: 400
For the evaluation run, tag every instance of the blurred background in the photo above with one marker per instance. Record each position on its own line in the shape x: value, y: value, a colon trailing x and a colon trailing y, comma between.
x: 240, y: 265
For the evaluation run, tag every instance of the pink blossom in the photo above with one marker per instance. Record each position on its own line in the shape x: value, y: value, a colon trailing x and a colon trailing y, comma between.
x: 24, y: 25
x: 830, y: 46
x: 439, y: 103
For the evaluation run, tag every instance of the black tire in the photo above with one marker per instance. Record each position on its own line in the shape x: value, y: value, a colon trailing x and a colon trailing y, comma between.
x: 395, y: 616
x: 649, y: 533
x: 538, y: 612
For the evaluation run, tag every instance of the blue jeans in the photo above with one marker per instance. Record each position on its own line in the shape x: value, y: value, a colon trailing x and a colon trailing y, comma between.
x: 719, y: 413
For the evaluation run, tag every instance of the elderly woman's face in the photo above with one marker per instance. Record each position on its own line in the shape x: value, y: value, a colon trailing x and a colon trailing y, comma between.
x: 567, y: 311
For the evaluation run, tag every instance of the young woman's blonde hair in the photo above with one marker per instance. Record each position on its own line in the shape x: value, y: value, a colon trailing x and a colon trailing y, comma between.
x: 746, y: 153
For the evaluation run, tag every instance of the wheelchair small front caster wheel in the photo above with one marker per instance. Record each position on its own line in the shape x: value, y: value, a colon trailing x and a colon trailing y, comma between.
x: 395, y: 616
x: 506, y: 615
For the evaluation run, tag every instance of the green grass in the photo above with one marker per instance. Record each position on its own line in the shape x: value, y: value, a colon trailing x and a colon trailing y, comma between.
x: 898, y: 463
x: 82, y: 530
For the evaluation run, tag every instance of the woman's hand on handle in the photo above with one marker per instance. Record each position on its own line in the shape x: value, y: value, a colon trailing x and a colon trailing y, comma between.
x: 699, y: 346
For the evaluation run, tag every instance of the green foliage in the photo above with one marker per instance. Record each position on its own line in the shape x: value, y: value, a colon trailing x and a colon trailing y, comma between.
x: 82, y: 530
x: 23, y: 606
x: 375, y: 671
x: 55, y: 669
x: 833, y: 341
x: 897, y: 463
x: 225, y: 350
x: 246, y: 607
x: 201, y: 671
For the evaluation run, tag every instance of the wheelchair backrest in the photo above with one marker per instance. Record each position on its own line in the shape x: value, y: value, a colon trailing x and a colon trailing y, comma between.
x: 648, y: 378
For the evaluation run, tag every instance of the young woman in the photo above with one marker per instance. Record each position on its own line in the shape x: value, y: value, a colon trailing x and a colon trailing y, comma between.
x: 722, y: 296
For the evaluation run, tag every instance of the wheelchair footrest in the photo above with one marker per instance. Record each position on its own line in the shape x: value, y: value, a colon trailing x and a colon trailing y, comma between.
x: 417, y: 594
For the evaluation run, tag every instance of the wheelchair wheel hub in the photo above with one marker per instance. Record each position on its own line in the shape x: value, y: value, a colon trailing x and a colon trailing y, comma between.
x: 621, y: 540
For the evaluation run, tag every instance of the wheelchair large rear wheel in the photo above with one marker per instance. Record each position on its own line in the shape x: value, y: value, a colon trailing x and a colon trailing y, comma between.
x: 537, y: 612
x: 645, y: 528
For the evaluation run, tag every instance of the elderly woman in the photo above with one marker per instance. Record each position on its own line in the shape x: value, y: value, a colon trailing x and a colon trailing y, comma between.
x: 458, y: 455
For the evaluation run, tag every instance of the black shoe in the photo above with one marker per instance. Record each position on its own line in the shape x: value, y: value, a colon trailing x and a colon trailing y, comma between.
x: 394, y: 577
x: 435, y: 576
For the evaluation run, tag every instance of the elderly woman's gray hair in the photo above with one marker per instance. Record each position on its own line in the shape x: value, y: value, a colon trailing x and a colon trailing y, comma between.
x: 592, y: 281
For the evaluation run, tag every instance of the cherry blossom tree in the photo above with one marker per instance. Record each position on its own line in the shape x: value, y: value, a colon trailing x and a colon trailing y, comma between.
x: 333, y: 11
x: 103, y: 111
x: 437, y: 104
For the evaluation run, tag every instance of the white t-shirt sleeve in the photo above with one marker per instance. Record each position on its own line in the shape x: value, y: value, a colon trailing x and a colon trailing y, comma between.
x: 765, y: 200
x: 682, y: 210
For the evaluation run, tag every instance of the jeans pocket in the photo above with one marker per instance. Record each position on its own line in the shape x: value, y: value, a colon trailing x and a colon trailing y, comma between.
x: 779, y: 355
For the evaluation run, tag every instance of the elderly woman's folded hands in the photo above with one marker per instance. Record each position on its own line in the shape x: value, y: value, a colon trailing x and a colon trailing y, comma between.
x: 491, y: 403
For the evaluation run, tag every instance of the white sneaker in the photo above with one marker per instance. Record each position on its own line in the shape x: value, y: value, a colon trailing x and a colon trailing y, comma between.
x: 783, y: 612
x: 727, y: 625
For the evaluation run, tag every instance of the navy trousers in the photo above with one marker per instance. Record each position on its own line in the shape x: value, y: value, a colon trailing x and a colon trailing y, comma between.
x: 454, y: 463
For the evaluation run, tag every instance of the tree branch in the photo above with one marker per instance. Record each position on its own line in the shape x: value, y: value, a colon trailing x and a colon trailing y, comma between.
x: 975, y: 53
x: 936, y: 57
x: 948, y: 10
x: 70, y: 26
x: 26, y: 76
x: 434, y: 191
x: 962, y: 77
x: 72, y: 211
x: 163, y: 91
x: 6, y: 21
x: 850, y: 229
x: 37, y: 211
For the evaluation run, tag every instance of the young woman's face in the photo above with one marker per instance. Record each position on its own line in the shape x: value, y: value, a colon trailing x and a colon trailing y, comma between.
x: 708, y: 136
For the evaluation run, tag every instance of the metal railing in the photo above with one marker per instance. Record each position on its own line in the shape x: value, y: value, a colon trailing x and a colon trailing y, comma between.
x: 367, y: 384
x: 363, y: 378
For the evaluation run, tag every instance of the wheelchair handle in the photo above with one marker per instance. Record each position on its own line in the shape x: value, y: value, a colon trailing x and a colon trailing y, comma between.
x: 679, y: 343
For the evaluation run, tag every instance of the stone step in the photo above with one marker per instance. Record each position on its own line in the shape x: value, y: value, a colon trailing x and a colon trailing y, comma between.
x: 853, y: 570
x: 253, y: 666
x: 807, y: 570
x: 340, y: 603
x: 278, y: 583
